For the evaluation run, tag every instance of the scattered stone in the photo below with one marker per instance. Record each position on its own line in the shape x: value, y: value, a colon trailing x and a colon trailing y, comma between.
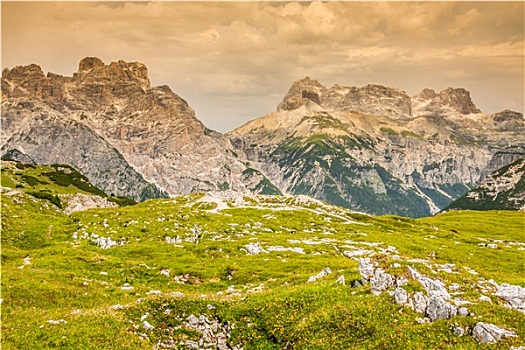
x: 454, y: 287
x: 103, y: 273
x: 154, y: 292
x: 193, y: 321
x: 165, y: 272
x: 513, y: 295
x: 341, y: 280
x: 492, y: 245
x: 401, y: 281
x: 423, y: 320
x: 144, y: 316
x: 485, y: 299
x: 487, y: 333
x: 177, y: 294
x: 439, y: 309
x: 147, y: 326
x: 85, y: 284
x: 117, y: 307
x: 285, y: 249
x: 463, y: 311
x: 381, y: 281
x: 210, y: 307
x: 434, y: 287
x: 356, y: 284
x: 56, y: 322
x: 190, y: 344
x: 391, y: 249
x: 354, y: 253
x: 126, y: 287
x: 396, y: 265
x: 231, y: 289
x: 366, y: 269
x: 458, y: 331
x: 325, y: 272
x: 254, y: 249
x: 400, y: 296
x: 420, y: 303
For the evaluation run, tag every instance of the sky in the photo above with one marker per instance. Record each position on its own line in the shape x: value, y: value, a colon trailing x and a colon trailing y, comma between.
x: 234, y: 61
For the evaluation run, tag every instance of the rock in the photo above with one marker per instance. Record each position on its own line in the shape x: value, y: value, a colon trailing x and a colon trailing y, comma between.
x: 193, y: 321
x: 356, y: 284
x: 487, y: 333
x: 485, y: 298
x: 56, y: 322
x: 381, y: 281
x: 439, y: 309
x: 341, y: 280
x: 157, y: 292
x: 401, y: 281
x: 463, y: 311
x: 432, y: 287
x: 254, y: 249
x: 400, y: 296
x: 354, y: 253
x: 210, y: 307
x: 165, y: 272
x: 366, y: 269
x: 117, y: 307
x: 420, y: 303
x: 513, y: 295
x: 423, y: 320
x: 492, y: 245
x: 454, y: 287
x: 126, y: 287
x: 192, y: 345
x: 325, y: 272
x: 458, y: 331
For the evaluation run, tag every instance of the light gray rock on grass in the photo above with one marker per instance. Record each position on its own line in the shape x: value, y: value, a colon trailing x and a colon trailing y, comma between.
x: 439, y: 309
x: 325, y: 272
x: 380, y: 282
x: 487, y: 333
x: 513, y: 295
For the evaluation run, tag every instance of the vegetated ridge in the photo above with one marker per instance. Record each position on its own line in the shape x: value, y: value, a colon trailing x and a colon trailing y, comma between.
x: 504, y: 189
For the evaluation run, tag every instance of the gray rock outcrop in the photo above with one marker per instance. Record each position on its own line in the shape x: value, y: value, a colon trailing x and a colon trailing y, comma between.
x: 487, y: 333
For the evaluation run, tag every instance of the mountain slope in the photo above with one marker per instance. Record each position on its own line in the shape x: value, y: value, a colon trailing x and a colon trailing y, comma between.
x: 257, y: 272
x: 376, y: 149
x: 154, y: 129
x: 503, y: 189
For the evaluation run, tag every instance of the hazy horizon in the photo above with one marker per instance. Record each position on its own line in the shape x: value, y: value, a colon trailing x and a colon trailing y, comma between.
x: 234, y: 61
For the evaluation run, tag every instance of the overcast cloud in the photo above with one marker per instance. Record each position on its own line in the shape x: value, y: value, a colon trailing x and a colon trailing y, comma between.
x: 233, y: 61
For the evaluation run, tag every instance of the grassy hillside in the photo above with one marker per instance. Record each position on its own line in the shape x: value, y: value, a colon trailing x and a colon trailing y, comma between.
x: 53, y: 270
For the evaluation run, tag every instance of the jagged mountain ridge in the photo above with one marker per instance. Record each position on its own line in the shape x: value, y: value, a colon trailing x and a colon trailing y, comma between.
x: 375, y: 148
x: 503, y: 189
x: 154, y: 129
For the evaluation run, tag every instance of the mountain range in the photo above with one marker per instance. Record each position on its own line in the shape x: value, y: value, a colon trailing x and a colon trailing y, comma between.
x: 373, y: 149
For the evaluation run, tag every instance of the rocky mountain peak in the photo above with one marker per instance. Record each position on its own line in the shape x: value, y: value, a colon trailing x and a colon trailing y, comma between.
x: 459, y: 99
x: 89, y: 63
x: 302, y: 92
x: 426, y: 94
x: 94, y: 69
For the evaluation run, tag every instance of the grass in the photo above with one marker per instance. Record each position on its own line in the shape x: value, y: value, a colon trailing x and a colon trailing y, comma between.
x: 64, y: 280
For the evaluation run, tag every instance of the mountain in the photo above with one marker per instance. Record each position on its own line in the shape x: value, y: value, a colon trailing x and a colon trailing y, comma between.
x: 376, y: 149
x: 124, y: 135
x: 504, y: 189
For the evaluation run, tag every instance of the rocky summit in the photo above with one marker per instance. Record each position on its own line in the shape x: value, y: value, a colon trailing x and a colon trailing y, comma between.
x: 378, y: 150
x: 127, y: 137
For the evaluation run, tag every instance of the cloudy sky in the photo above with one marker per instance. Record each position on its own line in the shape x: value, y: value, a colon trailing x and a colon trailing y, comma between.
x: 233, y: 61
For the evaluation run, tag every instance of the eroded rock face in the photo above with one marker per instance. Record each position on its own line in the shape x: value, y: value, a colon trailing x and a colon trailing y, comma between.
x: 154, y: 129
